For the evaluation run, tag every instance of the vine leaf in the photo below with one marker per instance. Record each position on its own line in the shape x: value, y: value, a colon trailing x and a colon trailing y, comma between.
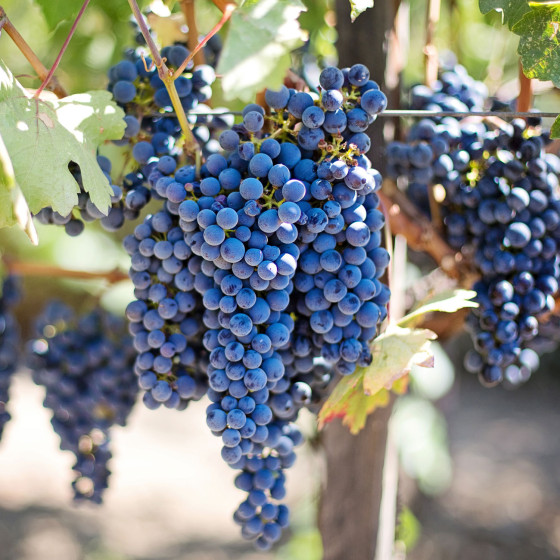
x: 358, y: 7
x: 43, y: 136
x: 256, y: 52
x: 59, y: 11
x: 555, y: 128
x: 358, y: 395
x: 447, y: 301
x: 13, y: 207
x: 394, y: 353
x: 512, y: 10
x: 539, y: 45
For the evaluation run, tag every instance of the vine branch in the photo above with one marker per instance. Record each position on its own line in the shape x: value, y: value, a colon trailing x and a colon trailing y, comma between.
x: 406, y: 220
x: 62, y: 50
x: 26, y: 268
x: 27, y: 51
x: 191, y: 145
x: 221, y: 4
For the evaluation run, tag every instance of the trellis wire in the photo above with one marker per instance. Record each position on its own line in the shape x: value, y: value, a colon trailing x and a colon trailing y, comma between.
x: 398, y: 113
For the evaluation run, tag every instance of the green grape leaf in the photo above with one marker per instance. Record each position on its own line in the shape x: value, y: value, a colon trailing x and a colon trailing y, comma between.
x: 59, y: 11
x: 349, y: 402
x: 256, y: 52
x: 539, y: 45
x: 43, y: 136
x: 358, y: 7
x: 512, y: 10
x: 447, y: 301
x: 13, y: 207
x: 394, y: 353
x: 555, y: 128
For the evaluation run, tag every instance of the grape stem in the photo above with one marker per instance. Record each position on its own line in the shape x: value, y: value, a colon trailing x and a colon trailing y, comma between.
x: 166, y: 75
x: 187, y: 6
x: 228, y: 10
x: 62, y: 50
x: 27, y: 268
x: 27, y: 51
x: 525, y: 98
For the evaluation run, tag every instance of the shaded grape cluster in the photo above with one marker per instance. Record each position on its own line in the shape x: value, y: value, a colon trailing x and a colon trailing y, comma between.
x: 497, y: 195
x: 9, y: 343
x: 85, y: 362
x: 511, y: 216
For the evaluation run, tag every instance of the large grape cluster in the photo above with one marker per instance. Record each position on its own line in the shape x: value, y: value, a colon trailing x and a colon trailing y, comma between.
x: 274, y: 256
x: 85, y: 363
x: 9, y: 343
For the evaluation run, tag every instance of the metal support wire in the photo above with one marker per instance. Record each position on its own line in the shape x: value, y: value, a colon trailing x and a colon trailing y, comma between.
x: 400, y: 113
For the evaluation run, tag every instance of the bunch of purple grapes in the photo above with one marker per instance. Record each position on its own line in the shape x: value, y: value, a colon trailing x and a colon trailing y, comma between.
x: 85, y: 362
x: 273, y: 255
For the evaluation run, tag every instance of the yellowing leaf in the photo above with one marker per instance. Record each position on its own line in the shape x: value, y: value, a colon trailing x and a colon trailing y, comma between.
x: 447, y: 301
x: 394, y: 353
x: 349, y: 402
x: 42, y: 137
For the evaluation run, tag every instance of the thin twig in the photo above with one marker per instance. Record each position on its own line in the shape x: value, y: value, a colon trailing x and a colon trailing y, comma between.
x: 25, y: 268
x: 27, y: 51
x: 187, y: 7
x: 62, y: 50
x: 191, y: 145
x: 388, y: 504
x: 228, y: 10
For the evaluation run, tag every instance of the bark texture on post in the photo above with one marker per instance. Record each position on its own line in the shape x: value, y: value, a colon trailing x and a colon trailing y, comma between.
x: 349, y: 508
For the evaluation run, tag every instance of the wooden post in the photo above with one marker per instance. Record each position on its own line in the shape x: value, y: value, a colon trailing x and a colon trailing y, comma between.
x: 349, y: 506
